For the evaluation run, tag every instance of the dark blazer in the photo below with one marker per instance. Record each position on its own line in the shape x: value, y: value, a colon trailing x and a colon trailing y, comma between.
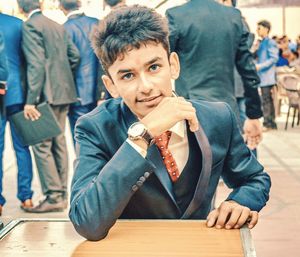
x: 88, y: 73
x: 12, y: 31
x: 3, y: 61
x: 112, y: 180
x: 210, y: 39
x: 51, y: 56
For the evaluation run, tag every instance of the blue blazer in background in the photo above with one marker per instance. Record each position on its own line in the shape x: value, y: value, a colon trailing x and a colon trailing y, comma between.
x: 79, y: 27
x: 11, y: 27
x: 267, y: 57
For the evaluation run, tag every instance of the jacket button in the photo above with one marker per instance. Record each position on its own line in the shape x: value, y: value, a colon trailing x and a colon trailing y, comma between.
x: 135, y: 188
x: 143, y: 179
x: 146, y: 174
x: 139, y: 183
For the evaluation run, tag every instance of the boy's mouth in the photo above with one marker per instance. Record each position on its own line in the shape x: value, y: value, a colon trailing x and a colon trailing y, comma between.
x: 151, y: 100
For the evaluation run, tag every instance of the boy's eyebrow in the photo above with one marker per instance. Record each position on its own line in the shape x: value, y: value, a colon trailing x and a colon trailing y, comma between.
x: 155, y: 59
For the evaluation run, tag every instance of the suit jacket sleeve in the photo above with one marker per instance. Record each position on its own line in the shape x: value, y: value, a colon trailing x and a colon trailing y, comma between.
x: 102, y: 186
x: 247, y: 70
x: 3, y: 64
x: 243, y: 173
x: 73, y: 52
x: 33, y: 48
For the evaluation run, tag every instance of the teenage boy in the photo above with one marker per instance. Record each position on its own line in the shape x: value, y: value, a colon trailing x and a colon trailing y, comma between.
x: 267, y: 57
x: 150, y: 155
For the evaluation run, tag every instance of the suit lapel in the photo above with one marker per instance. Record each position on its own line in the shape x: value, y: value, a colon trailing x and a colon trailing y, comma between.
x: 203, y: 181
x: 161, y: 171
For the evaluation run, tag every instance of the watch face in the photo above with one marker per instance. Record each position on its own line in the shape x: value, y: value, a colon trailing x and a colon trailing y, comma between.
x: 137, y: 130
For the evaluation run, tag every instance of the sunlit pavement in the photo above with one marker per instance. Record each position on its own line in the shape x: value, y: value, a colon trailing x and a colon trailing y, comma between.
x: 277, y: 233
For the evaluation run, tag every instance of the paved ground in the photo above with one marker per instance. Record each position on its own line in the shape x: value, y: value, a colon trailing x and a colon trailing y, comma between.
x: 277, y: 233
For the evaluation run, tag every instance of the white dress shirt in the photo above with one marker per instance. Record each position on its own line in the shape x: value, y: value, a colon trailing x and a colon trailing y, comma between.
x: 178, y: 145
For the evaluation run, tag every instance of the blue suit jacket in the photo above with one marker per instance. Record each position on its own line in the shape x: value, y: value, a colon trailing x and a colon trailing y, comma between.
x: 11, y: 28
x: 267, y: 55
x: 79, y: 27
x: 112, y: 180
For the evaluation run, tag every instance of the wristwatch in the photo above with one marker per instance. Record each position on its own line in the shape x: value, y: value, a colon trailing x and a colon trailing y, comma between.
x: 138, y: 131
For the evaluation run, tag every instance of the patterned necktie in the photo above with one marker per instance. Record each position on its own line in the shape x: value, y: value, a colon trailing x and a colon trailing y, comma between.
x: 162, y: 142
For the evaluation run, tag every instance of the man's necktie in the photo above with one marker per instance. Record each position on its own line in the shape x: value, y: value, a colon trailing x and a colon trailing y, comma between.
x: 162, y: 142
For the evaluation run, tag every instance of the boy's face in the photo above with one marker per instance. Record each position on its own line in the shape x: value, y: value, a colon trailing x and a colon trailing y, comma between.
x: 142, y: 77
x: 262, y: 31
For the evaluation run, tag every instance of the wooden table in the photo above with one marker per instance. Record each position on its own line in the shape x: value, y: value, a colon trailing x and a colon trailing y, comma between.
x: 128, y: 238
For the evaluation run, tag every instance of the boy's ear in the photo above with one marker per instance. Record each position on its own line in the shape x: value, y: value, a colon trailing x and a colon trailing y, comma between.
x: 174, y: 65
x: 110, y: 86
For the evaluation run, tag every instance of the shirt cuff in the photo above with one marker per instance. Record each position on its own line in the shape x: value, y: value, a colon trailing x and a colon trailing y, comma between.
x: 140, y: 150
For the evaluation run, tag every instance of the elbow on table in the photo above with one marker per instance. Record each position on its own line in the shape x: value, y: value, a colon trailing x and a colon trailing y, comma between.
x: 87, y: 229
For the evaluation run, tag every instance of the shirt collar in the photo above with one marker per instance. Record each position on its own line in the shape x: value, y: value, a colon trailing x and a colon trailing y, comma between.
x: 33, y: 12
x: 178, y: 129
x: 74, y: 13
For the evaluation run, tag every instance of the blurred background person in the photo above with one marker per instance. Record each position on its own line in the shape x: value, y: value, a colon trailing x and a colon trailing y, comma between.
x: 267, y: 57
x: 11, y: 27
x: 208, y: 50
x: 88, y: 80
x: 3, y: 76
x: 115, y: 3
x: 51, y: 59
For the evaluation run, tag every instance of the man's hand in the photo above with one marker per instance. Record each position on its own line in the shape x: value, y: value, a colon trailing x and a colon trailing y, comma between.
x: 30, y: 112
x: 170, y: 111
x: 252, y: 133
x: 230, y: 215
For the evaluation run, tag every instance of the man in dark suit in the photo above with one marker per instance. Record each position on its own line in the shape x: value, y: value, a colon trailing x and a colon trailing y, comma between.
x: 51, y: 57
x: 210, y: 40
x: 88, y: 81
x: 11, y: 28
x: 120, y: 173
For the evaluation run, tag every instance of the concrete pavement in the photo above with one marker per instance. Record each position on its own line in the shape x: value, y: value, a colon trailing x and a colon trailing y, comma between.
x: 277, y: 233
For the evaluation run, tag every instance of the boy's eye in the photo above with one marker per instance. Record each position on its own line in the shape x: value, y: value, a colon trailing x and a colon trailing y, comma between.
x: 127, y: 76
x: 154, y: 67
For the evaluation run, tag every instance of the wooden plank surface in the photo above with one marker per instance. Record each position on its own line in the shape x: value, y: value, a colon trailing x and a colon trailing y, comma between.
x: 126, y: 238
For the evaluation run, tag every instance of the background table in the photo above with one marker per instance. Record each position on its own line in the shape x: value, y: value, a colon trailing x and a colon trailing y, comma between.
x: 143, y: 238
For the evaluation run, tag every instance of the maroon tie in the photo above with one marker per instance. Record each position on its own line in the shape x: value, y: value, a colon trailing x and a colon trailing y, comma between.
x: 162, y: 142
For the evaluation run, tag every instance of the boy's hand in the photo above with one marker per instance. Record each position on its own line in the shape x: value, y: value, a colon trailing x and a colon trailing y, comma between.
x: 170, y: 111
x: 230, y: 215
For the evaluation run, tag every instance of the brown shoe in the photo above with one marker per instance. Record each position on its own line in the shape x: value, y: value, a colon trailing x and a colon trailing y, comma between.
x: 27, y: 203
x: 0, y: 209
x: 46, y: 205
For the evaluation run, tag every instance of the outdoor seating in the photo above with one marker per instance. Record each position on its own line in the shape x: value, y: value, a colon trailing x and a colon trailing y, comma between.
x: 291, y: 84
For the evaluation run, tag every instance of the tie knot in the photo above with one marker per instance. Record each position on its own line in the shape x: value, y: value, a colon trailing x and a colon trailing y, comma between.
x: 162, y: 141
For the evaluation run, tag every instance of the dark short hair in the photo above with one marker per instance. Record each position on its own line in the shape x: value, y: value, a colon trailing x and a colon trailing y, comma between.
x: 70, y: 4
x: 265, y: 24
x: 127, y: 28
x: 112, y: 3
x: 28, y: 5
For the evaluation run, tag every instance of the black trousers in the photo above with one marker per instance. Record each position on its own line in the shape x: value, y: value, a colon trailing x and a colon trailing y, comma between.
x: 268, y: 107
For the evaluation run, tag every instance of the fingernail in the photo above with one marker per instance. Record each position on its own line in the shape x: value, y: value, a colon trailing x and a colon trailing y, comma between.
x: 218, y: 226
x: 228, y: 227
